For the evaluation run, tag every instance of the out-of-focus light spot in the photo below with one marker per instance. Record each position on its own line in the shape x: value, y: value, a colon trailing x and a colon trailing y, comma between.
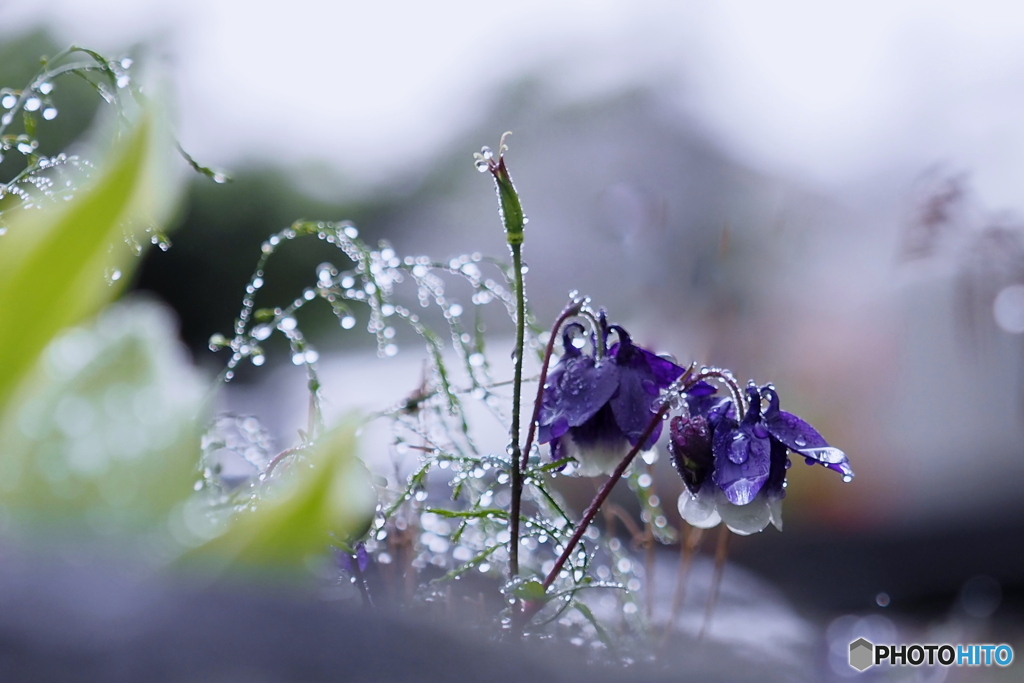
x: 980, y: 596
x: 74, y: 416
x: 1008, y: 309
x: 848, y: 628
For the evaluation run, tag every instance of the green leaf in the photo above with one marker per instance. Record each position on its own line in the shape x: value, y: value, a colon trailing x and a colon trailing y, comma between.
x: 104, y: 437
x: 589, y: 616
x: 52, y: 262
x: 531, y: 590
x: 328, y: 496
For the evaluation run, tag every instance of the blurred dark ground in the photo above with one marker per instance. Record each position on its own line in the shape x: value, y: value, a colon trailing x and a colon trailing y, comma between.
x: 876, y: 321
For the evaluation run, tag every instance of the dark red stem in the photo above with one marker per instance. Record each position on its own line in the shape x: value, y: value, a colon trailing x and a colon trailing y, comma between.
x: 573, y: 308
x: 602, y: 494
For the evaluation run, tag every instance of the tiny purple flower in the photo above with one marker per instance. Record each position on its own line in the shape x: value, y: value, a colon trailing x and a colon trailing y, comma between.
x: 345, y: 559
x: 596, y: 409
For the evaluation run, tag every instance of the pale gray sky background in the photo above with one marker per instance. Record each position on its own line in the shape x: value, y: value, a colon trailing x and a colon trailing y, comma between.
x: 836, y: 95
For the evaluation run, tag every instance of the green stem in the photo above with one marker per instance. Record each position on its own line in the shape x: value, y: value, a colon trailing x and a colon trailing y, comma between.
x: 514, y: 220
x: 517, y: 386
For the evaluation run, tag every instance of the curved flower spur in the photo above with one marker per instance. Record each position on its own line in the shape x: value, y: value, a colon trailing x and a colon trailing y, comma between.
x: 596, y: 407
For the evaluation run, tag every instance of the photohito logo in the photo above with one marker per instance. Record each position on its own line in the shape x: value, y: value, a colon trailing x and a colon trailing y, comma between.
x: 864, y: 654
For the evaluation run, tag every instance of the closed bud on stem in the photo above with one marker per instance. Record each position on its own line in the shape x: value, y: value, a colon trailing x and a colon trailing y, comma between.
x: 509, y: 207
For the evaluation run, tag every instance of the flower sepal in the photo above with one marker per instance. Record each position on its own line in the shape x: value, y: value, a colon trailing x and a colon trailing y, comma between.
x: 709, y: 507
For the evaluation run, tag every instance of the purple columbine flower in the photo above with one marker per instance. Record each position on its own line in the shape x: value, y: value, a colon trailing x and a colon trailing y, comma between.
x: 596, y: 409
x: 746, y: 459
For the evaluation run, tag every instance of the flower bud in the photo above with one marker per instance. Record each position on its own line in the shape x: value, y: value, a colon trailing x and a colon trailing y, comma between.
x: 690, y: 448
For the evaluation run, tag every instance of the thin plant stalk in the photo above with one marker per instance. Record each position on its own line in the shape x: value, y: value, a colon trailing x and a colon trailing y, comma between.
x: 510, y: 210
x: 689, y: 542
x: 721, y: 551
x: 606, y: 489
x: 602, y: 494
x: 517, y: 388
x: 648, y: 543
x: 571, y: 309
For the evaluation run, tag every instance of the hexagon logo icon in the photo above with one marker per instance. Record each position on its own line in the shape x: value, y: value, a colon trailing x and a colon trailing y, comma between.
x: 862, y: 654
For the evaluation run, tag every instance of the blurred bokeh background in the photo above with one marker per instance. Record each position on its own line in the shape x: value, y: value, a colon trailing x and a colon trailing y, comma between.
x: 824, y: 197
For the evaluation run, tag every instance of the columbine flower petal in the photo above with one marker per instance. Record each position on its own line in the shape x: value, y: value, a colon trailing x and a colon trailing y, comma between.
x: 802, y: 438
x: 703, y: 399
x: 742, y: 456
x: 700, y: 509
x: 748, y: 518
x: 577, y: 387
x: 642, y: 376
x: 740, y: 481
x: 709, y: 507
x: 598, y: 445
